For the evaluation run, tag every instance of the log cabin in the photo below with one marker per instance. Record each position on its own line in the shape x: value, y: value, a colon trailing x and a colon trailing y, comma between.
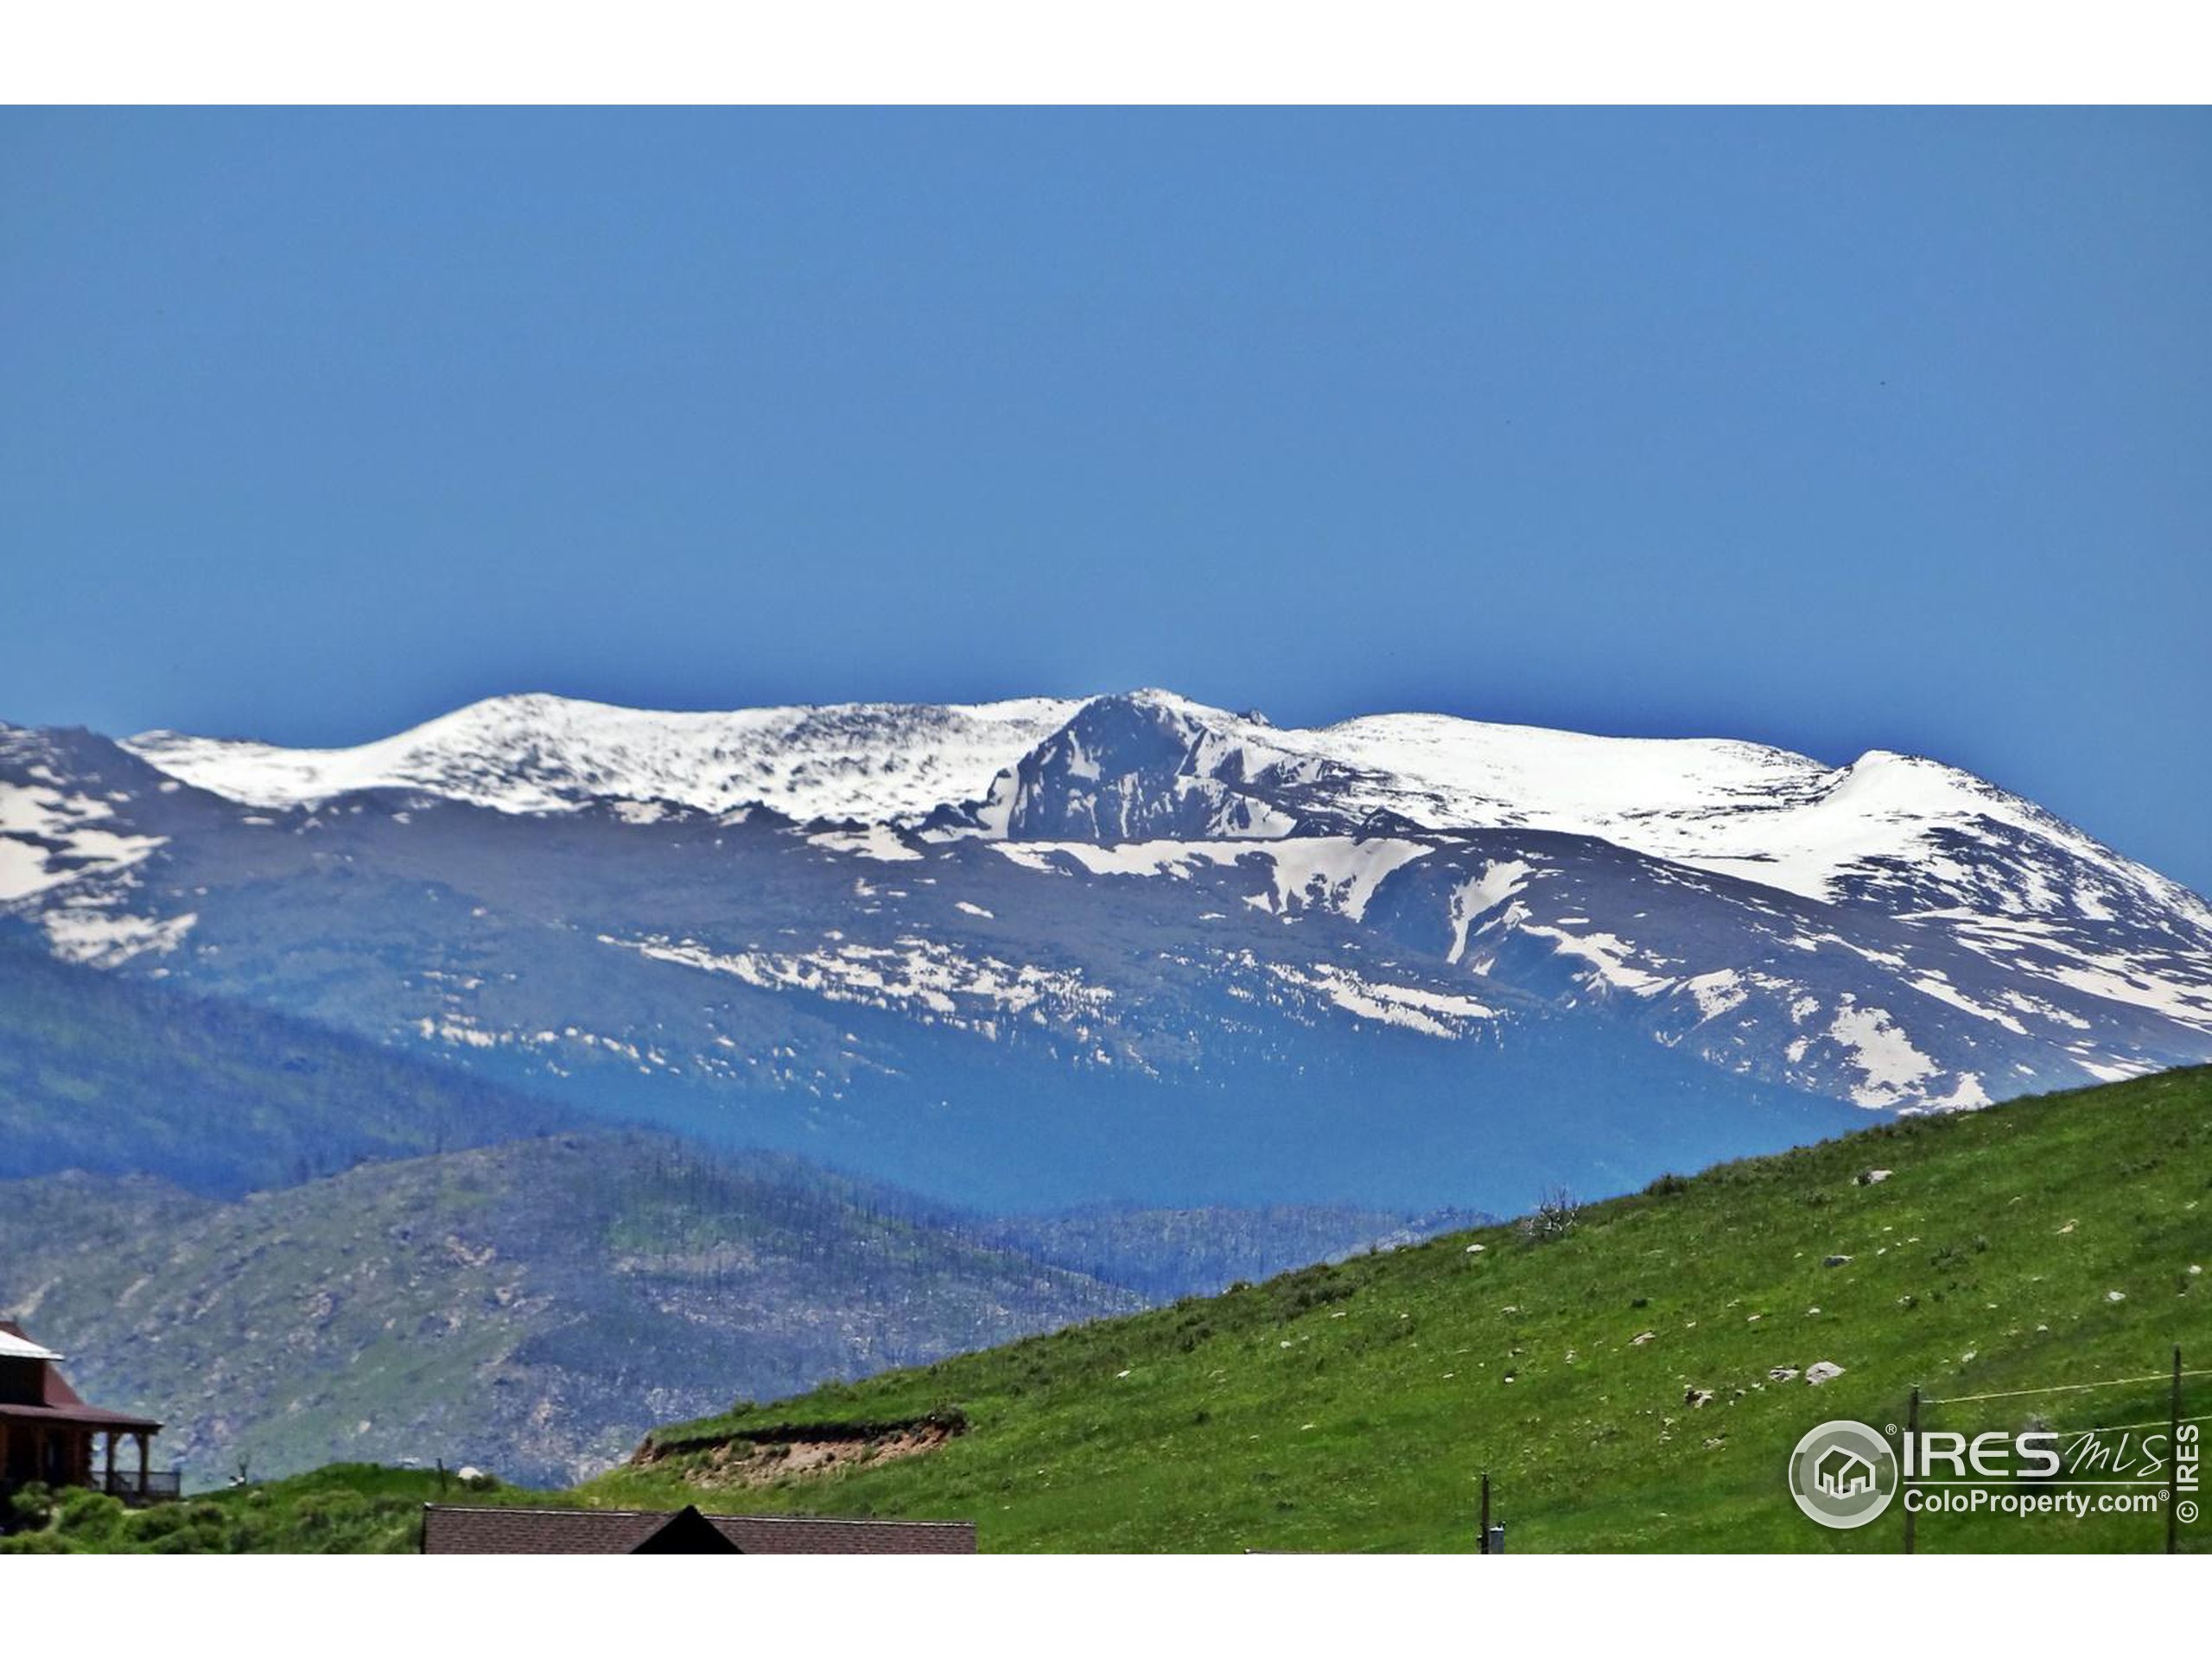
x: 50, y: 1435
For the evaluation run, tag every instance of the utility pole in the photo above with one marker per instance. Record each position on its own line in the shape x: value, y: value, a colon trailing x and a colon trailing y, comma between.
x: 1904, y: 1465
x: 2173, y: 1462
x: 1482, y: 1540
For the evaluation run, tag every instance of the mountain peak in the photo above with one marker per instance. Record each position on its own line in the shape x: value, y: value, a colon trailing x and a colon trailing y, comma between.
x: 1152, y: 763
x: 539, y: 752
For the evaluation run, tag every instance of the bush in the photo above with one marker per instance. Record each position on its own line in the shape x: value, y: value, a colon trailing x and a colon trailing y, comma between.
x: 92, y: 1517
x: 160, y: 1522
x: 31, y: 1508
x: 37, y: 1543
x: 1554, y: 1216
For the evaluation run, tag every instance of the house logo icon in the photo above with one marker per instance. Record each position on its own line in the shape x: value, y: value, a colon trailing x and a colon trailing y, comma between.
x: 1843, y: 1474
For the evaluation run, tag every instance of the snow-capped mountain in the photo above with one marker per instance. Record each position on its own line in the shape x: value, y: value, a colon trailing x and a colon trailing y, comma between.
x: 869, y: 762
x: 1131, y: 944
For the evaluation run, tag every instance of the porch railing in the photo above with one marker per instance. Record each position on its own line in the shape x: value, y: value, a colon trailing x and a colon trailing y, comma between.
x: 162, y: 1485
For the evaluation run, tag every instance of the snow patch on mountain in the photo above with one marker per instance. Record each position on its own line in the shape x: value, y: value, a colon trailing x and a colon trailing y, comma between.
x: 1720, y: 992
x: 102, y: 938
x: 2190, y: 1005
x: 1476, y: 898
x: 1334, y: 873
x: 1608, y: 956
x: 1432, y: 1013
x: 50, y: 837
x: 1884, y: 1055
x: 1937, y: 986
x: 915, y: 973
x: 878, y: 841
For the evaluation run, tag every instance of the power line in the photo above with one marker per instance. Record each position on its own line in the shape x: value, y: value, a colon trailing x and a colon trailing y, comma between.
x: 2060, y: 1387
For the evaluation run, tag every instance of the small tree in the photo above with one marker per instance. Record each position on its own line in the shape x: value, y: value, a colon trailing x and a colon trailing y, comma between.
x: 1557, y: 1211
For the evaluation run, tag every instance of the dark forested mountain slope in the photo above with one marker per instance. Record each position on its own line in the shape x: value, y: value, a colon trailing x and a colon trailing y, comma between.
x: 108, y: 1073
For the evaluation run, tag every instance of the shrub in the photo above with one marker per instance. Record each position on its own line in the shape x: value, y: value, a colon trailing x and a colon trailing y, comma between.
x: 31, y: 1507
x: 160, y: 1522
x: 93, y: 1517
x: 37, y: 1543
x: 1554, y: 1216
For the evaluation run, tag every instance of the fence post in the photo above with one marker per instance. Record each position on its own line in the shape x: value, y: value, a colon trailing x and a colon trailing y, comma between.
x: 1904, y: 1465
x: 2173, y: 1461
x: 1482, y: 1541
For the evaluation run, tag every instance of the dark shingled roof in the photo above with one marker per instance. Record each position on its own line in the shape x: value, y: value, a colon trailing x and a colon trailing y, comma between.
x: 59, y: 1403
x: 458, y: 1529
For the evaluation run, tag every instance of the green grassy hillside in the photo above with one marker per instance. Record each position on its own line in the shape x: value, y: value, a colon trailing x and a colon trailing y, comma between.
x: 2049, y: 1242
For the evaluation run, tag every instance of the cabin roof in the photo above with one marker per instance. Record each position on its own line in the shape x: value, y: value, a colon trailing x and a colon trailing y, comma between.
x: 459, y: 1529
x: 58, y: 1403
x: 83, y: 1416
x: 14, y: 1345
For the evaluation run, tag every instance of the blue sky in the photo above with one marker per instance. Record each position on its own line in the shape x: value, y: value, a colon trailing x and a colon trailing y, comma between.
x: 1836, y: 430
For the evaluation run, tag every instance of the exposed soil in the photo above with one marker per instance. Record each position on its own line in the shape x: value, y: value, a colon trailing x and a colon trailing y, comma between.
x: 761, y: 1459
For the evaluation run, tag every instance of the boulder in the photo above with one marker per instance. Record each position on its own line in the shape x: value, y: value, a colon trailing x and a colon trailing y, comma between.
x: 1820, y: 1370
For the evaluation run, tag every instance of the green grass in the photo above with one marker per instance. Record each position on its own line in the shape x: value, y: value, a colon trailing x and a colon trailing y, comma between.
x: 346, y: 1509
x: 1353, y: 1407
